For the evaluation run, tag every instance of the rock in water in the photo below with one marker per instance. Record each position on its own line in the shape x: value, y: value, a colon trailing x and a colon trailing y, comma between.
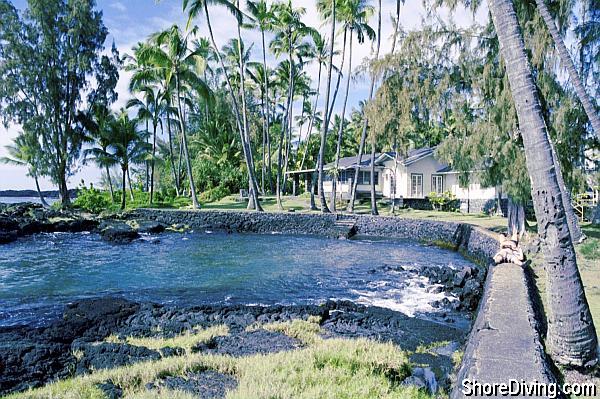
x: 118, y: 232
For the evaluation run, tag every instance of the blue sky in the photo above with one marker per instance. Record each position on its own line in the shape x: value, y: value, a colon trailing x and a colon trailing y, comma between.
x: 131, y: 21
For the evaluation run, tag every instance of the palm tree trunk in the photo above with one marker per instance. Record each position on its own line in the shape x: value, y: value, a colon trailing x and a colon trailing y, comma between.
x: 266, y: 115
x: 567, y: 62
x: 154, y: 126
x: 312, y: 118
x: 37, y: 187
x: 241, y: 128
x: 571, y: 334
x: 339, y: 76
x: 130, y: 186
x: 124, y: 193
x: 341, y: 128
x: 325, y: 126
x: 373, y: 136
x: 172, y: 154
x: 147, y: 164
x: 110, y: 186
x: 186, y: 154
x: 363, y: 136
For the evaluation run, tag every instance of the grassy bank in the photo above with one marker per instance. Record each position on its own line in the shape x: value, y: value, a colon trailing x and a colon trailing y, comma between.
x: 322, y: 368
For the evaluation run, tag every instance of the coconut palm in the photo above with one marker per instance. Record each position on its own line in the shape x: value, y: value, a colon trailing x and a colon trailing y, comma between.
x: 263, y: 17
x: 363, y: 136
x: 354, y: 15
x: 129, y: 146
x: 571, y: 334
x: 171, y: 58
x: 26, y: 151
x: 327, y: 10
x: 97, y: 124
x: 195, y: 8
x: 290, y: 35
x: 152, y: 107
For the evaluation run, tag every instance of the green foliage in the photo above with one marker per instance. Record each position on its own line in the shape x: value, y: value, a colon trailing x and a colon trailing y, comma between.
x: 214, y: 194
x: 91, y: 199
x: 445, y: 201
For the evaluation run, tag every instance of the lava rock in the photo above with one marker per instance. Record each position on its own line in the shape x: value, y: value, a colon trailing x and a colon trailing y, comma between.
x: 249, y: 343
x: 111, y: 391
x: 206, y: 385
x: 150, y: 227
x: 107, y: 355
x: 7, y: 237
x: 168, y: 351
x: 118, y: 232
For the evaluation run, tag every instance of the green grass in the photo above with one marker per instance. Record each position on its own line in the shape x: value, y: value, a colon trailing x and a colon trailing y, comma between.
x: 324, y: 368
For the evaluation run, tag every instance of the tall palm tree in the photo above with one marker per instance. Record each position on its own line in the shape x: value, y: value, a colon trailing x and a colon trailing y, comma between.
x: 332, y: 7
x: 354, y: 15
x: 263, y: 16
x: 571, y: 333
x: 129, y: 146
x: 153, y: 108
x: 172, y: 58
x: 195, y: 8
x: 363, y: 136
x: 26, y: 151
x: 289, y: 40
x: 97, y: 123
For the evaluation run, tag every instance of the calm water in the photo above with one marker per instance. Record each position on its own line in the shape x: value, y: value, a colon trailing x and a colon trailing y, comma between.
x: 39, y: 274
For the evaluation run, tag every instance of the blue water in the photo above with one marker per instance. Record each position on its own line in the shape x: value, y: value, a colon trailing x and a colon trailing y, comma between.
x: 39, y: 274
x: 18, y: 200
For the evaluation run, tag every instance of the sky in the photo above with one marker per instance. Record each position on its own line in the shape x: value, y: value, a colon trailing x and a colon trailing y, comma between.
x: 132, y: 21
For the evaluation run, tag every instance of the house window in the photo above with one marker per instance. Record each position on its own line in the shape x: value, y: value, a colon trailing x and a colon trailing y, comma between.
x: 392, y: 184
x: 437, y: 183
x: 416, y: 185
x: 364, y: 177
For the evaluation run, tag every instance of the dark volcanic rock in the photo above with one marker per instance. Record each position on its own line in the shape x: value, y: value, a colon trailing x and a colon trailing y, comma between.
x: 8, y: 236
x: 111, y: 391
x: 206, y: 385
x: 150, y: 227
x: 106, y: 355
x: 118, y: 232
x: 249, y: 343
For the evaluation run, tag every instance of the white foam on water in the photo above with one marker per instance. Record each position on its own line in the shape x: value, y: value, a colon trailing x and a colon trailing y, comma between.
x: 411, y: 298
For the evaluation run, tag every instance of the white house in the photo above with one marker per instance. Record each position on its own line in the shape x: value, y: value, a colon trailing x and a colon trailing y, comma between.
x: 410, y: 178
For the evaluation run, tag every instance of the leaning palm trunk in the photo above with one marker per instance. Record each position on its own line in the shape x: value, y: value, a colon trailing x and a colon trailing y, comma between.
x: 253, y: 202
x: 267, y: 122
x: 245, y: 146
x: 37, y: 187
x: 110, y: 186
x: 321, y: 162
x: 373, y: 136
x: 567, y: 62
x: 172, y: 154
x: 130, y: 186
x: 339, y: 76
x: 186, y: 154
x: 124, y: 187
x: 153, y: 161
x: 312, y: 118
x: 341, y: 128
x: 571, y: 334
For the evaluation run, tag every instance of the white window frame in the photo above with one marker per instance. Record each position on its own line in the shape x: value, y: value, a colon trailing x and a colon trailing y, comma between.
x: 435, y: 179
x: 416, y: 190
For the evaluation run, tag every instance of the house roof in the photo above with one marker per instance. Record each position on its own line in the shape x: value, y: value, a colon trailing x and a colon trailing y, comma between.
x: 380, y: 157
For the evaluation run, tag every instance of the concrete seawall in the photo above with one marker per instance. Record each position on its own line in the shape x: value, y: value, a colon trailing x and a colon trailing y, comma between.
x: 504, y: 342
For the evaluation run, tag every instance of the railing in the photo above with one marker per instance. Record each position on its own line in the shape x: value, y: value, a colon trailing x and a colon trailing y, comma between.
x: 583, y: 201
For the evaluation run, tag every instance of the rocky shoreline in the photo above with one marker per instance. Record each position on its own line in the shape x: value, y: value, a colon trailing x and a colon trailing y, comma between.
x: 77, y: 344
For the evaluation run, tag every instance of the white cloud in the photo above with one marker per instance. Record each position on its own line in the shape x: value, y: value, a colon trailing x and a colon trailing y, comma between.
x: 117, y: 5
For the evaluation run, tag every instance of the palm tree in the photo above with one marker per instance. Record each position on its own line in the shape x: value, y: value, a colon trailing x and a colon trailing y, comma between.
x: 289, y: 40
x: 97, y: 123
x: 129, y: 146
x: 571, y: 333
x: 172, y: 58
x: 194, y: 9
x: 363, y: 136
x: 26, y: 151
x: 263, y: 16
x: 153, y: 108
x: 323, y: 202
x: 354, y: 15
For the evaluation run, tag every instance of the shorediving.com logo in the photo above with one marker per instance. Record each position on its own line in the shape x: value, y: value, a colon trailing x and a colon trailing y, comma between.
x: 514, y: 387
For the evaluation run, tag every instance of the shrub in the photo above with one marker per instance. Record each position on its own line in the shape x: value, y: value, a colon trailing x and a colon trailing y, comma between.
x: 91, y: 199
x: 214, y: 194
x: 445, y: 201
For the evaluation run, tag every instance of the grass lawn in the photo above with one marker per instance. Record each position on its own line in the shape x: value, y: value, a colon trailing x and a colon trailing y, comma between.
x: 323, y: 368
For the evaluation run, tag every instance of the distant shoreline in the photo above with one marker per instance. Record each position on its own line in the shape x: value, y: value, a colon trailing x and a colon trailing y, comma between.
x: 33, y: 193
